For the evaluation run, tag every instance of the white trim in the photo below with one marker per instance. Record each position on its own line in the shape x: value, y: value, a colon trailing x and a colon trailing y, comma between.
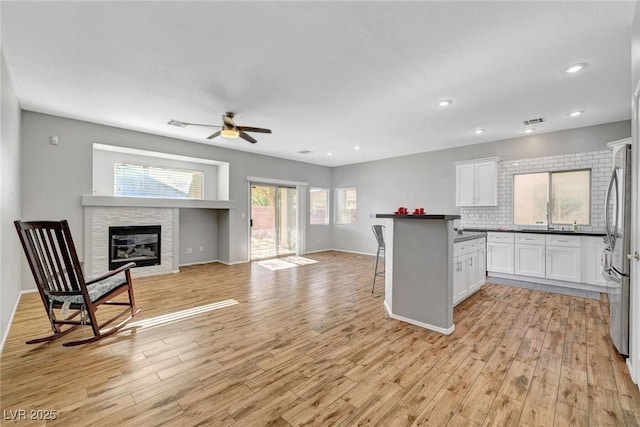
x: 258, y: 180
x: 486, y: 159
x: 350, y: 252
x: 633, y: 362
x: 13, y: 313
x: 153, y: 202
x: 201, y: 263
x: 447, y: 331
x: 178, y: 157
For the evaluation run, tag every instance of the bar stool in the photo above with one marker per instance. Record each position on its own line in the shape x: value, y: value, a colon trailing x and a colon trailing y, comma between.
x: 377, y: 231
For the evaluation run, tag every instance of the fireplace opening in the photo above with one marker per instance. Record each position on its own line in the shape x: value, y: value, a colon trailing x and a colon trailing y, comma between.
x: 140, y: 244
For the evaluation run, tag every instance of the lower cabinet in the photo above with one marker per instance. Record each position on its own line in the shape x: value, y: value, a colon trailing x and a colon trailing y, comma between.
x: 469, y: 268
x: 530, y: 255
x: 591, y: 263
x: 563, y: 258
x: 500, y: 253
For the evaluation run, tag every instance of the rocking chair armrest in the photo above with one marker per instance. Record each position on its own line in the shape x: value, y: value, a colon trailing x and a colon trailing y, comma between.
x: 112, y: 272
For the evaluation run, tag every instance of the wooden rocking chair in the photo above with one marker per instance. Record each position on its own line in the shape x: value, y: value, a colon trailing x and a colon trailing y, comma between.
x: 62, y: 285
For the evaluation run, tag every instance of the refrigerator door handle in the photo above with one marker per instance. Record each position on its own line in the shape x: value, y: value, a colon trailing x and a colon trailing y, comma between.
x: 613, y: 185
x: 633, y: 256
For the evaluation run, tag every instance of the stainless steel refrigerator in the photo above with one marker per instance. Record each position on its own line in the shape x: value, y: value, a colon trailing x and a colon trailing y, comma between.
x: 616, y: 265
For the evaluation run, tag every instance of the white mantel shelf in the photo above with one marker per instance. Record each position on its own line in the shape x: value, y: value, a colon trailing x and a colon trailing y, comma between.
x: 134, y: 202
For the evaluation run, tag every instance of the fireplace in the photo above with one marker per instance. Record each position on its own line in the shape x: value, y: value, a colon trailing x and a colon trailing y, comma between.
x: 140, y: 244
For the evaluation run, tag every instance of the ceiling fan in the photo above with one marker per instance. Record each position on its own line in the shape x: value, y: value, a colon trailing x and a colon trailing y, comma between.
x: 229, y: 128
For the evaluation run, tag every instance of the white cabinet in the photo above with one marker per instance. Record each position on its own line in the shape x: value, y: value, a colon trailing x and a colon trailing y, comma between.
x: 563, y: 258
x: 500, y: 253
x: 477, y: 183
x: 469, y: 272
x: 529, y: 255
x: 591, y: 267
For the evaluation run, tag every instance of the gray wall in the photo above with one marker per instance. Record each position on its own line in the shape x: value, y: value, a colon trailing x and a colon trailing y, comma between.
x: 198, y: 229
x: 54, y: 177
x: 10, y: 250
x: 428, y: 179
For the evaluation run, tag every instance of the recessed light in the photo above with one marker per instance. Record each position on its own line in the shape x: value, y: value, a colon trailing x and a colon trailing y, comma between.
x: 571, y: 69
x: 444, y: 103
x: 575, y: 113
x: 329, y: 153
x: 357, y: 147
x: 529, y: 130
x: 479, y: 131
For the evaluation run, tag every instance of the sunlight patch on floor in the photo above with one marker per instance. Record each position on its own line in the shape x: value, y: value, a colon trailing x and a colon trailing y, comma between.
x: 287, y: 262
x: 181, y: 315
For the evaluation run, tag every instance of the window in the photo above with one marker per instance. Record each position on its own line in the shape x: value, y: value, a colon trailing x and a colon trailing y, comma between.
x: 552, y: 198
x: 345, y: 205
x: 318, y: 206
x: 153, y: 181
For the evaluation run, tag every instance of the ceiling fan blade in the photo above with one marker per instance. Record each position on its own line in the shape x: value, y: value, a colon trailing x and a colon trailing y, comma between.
x: 214, y: 135
x: 202, y: 124
x: 248, y: 137
x: 252, y: 129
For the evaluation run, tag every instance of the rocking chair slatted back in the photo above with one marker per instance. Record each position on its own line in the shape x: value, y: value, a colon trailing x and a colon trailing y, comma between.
x: 61, y: 282
x: 56, y: 266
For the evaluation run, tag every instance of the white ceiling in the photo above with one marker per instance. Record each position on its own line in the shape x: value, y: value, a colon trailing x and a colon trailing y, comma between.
x: 324, y: 76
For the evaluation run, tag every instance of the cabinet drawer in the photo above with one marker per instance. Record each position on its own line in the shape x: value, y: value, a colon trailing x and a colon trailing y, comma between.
x: 460, y: 248
x: 473, y: 245
x: 530, y: 239
x: 500, y: 237
x: 570, y: 241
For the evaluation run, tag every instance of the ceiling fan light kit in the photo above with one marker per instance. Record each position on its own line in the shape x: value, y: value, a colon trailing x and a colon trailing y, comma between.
x: 229, y: 133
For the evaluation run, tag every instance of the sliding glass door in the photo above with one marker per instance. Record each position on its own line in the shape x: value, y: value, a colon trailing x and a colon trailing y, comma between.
x: 274, y: 226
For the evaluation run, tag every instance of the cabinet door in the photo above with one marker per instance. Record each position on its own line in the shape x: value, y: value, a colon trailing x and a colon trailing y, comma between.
x: 530, y: 260
x: 465, y: 184
x: 500, y: 257
x: 472, y: 271
x: 563, y: 263
x: 486, y: 184
x: 591, y: 249
x: 481, y: 269
x: 460, y: 272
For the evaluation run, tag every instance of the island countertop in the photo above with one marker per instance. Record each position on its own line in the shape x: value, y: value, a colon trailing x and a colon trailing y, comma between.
x: 425, y: 216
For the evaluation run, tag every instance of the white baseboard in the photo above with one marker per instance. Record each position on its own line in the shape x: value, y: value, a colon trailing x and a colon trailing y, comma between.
x: 13, y: 313
x: 200, y: 263
x: 352, y: 252
x: 445, y: 331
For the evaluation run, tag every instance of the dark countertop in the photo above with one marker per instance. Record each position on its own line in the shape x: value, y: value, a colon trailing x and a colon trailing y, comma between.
x: 560, y: 232
x: 426, y: 216
x: 468, y: 235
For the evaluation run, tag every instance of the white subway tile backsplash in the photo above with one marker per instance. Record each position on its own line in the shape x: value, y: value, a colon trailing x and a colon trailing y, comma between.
x: 502, y: 215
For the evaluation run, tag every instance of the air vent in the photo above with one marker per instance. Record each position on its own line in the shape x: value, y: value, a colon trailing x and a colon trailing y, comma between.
x: 177, y: 123
x: 534, y: 121
x: 304, y: 152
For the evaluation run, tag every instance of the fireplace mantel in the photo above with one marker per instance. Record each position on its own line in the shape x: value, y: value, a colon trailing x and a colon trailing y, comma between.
x: 149, y: 202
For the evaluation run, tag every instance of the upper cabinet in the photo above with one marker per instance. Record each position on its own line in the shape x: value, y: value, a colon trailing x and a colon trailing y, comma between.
x: 477, y: 182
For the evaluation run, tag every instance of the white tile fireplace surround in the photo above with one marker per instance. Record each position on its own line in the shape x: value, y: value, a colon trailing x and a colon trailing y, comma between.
x: 97, y: 223
x: 102, y: 212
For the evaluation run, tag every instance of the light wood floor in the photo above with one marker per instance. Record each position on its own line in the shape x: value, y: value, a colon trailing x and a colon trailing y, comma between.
x: 312, y: 346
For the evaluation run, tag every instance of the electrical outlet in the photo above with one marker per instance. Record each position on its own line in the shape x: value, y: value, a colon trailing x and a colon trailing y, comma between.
x: 189, y: 250
x: 318, y: 241
x: 201, y: 248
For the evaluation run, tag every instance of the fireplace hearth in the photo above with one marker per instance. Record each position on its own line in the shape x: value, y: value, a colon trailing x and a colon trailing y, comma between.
x: 140, y: 244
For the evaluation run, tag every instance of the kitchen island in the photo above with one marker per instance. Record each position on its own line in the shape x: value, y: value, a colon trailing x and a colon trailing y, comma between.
x: 418, y: 269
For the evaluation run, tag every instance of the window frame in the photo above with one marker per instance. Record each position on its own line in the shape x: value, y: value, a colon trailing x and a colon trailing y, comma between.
x: 336, y: 213
x: 549, y: 217
x: 327, y: 215
x: 145, y: 166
